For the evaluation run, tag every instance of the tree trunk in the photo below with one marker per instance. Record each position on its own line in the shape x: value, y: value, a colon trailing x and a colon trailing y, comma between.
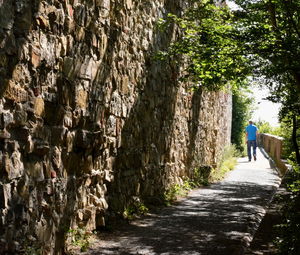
x: 272, y: 13
x: 294, y: 139
x: 297, y: 78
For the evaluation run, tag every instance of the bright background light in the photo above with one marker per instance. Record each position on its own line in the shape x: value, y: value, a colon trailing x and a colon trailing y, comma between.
x: 266, y: 110
x: 232, y: 5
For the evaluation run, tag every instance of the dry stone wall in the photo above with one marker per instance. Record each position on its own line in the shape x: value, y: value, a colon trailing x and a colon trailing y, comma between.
x: 89, y: 122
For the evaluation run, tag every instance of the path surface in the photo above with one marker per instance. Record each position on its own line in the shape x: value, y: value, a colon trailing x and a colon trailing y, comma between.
x: 216, y: 220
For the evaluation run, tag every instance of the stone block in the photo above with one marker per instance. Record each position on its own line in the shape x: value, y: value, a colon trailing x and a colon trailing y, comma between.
x: 125, y: 85
x: 103, y: 4
x: 6, y: 15
x: 103, y: 45
x: 88, y: 69
x: 100, y: 221
x: 20, y: 134
x: 58, y: 135
x: 43, y: 133
x: 80, y: 14
x: 87, y: 164
x: 21, y: 74
x: 41, y: 148
x: 111, y: 126
x: 39, y: 106
x: 53, y: 113
x: 35, y: 57
x: 48, y: 49
x: 42, y: 231
x: 22, y: 188
x: 100, y: 190
x: 50, y: 97
x: 12, y: 145
x: 116, y: 104
x: 43, y: 22
x: 15, y: 93
x: 67, y: 122
x: 108, y: 176
x: 63, y: 43
x: 74, y: 163
x: 81, y: 99
x: 70, y: 140
x: 68, y: 67
x: 20, y: 118
x: 70, y: 11
x: 5, y: 195
x: 13, y: 166
x: 8, y: 119
x: 34, y: 169
x: 4, y: 134
x: 83, y: 139
x: 79, y: 33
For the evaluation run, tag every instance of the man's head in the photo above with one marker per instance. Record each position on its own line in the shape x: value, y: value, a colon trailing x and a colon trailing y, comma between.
x: 250, y: 122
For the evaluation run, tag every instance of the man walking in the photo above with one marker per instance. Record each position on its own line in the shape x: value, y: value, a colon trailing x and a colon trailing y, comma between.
x: 251, y: 135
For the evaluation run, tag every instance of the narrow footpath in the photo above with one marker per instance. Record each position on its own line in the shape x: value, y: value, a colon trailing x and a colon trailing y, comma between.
x: 219, y: 219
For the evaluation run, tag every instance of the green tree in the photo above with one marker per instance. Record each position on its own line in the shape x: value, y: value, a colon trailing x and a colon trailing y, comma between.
x: 242, y: 105
x: 264, y: 127
x: 220, y: 48
x: 208, y: 46
x: 270, y: 31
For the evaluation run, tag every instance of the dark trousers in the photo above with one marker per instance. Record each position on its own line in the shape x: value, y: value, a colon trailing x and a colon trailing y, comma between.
x: 251, y: 143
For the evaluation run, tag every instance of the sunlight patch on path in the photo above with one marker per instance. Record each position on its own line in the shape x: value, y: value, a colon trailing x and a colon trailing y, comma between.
x: 219, y: 219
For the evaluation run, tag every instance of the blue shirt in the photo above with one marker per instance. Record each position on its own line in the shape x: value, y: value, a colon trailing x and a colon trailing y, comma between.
x: 251, y: 131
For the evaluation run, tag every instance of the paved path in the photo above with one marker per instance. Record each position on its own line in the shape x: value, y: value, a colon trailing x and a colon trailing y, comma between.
x: 219, y: 219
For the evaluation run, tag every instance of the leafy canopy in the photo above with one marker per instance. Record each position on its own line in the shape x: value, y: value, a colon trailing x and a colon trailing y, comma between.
x: 213, y: 57
x: 242, y: 103
x: 270, y: 29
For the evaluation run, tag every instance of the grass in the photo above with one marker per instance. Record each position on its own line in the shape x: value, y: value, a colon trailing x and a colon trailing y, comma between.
x: 227, y: 163
x: 220, y: 172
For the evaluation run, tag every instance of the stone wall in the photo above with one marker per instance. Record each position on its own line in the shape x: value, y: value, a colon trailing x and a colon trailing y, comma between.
x: 88, y: 120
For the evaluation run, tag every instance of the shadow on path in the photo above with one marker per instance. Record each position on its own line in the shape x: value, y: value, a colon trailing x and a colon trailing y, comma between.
x: 220, y: 219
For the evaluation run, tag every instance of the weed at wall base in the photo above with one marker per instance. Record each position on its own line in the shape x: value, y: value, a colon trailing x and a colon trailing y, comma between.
x: 134, y: 209
x: 78, y: 238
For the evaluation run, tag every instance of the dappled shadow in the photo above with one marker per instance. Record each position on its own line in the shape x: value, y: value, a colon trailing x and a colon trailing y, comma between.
x: 41, y: 217
x: 56, y: 207
x: 16, y: 21
x: 194, y: 129
x: 219, y: 219
x: 265, y: 237
x: 146, y: 135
